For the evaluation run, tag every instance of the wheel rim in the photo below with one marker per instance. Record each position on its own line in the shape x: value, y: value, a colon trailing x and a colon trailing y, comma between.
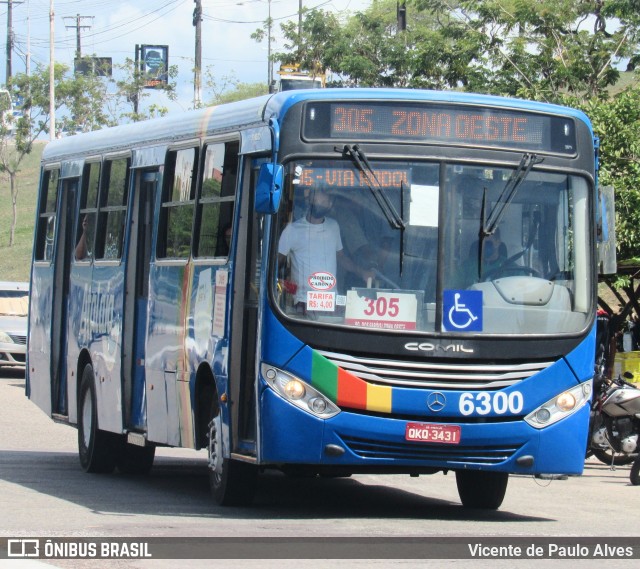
x: 215, y: 447
x: 87, y: 417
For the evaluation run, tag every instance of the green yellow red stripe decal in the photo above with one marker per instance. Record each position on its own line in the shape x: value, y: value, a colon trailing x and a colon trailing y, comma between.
x: 324, y: 376
x: 347, y: 390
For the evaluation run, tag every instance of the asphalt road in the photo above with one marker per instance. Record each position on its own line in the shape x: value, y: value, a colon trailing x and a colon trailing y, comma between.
x: 44, y: 493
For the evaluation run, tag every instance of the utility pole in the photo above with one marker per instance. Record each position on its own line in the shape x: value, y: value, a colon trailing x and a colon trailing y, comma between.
x: 269, y: 62
x: 197, y: 71
x: 28, y: 60
x: 78, y: 27
x: 299, y: 29
x: 9, y: 4
x: 52, y: 60
x: 401, y: 11
x: 9, y: 39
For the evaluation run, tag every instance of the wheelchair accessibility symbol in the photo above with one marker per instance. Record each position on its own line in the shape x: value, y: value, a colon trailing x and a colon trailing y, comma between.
x: 462, y: 310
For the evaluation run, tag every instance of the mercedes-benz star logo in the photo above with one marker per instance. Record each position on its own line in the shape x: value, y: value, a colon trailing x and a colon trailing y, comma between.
x: 436, y: 401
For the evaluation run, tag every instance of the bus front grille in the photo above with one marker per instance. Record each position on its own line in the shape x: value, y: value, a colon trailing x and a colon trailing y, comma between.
x: 452, y: 454
x: 436, y: 375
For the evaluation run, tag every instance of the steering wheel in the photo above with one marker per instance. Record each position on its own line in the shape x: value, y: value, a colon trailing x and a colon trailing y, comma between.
x: 508, y: 269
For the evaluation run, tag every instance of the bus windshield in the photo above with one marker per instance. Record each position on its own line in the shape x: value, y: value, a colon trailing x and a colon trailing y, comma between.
x: 406, y: 246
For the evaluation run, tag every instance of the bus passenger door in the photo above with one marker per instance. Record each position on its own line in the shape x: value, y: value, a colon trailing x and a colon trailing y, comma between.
x: 64, y: 251
x: 136, y: 297
x: 245, y: 324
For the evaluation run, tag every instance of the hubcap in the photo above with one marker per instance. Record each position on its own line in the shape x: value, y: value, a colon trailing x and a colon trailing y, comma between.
x: 87, y: 408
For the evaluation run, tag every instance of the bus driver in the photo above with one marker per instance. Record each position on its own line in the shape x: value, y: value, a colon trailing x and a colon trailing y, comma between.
x: 314, y: 247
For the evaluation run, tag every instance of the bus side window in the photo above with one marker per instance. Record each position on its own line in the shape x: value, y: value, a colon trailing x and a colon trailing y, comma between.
x: 216, y: 200
x: 47, y: 215
x: 86, y: 222
x: 113, y: 208
x: 178, y: 198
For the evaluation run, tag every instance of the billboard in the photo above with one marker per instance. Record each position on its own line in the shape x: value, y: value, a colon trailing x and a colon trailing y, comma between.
x: 154, y: 63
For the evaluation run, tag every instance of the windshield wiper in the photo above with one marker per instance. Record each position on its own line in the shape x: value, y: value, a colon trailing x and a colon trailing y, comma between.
x: 489, y: 224
x: 361, y: 161
x: 508, y: 193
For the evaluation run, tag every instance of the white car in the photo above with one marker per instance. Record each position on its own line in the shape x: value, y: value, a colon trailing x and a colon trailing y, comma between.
x: 14, y: 306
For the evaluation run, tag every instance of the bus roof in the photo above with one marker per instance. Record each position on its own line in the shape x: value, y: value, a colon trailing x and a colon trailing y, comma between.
x: 280, y: 102
x: 256, y: 111
x: 173, y: 127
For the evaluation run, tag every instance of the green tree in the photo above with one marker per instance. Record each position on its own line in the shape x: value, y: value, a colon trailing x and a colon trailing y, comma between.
x: 540, y: 49
x: 228, y: 88
x: 131, y: 90
x: 242, y: 91
x: 17, y: 142
x: 262, y: 33
x: 314, y: 47
x: 82, y: 103
x: 617, y: 122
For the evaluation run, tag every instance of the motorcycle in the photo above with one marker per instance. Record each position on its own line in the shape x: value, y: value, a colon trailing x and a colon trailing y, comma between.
x: 635, y: 472
x: 614, y: 426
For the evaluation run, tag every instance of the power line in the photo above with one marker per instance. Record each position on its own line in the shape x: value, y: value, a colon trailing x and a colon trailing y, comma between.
x: 125, y: 23
x: 130, y: 22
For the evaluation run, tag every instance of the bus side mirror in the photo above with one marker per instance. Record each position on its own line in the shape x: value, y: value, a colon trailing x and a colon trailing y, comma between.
x: 269, y: 188
x: 606, y: 231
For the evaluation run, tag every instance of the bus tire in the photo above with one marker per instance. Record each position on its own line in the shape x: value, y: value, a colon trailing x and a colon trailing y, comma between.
x: 134, y: 459
x: 481, y: 489
x: 96, y: 448
x: 233, y: 483
x: 634, y: 476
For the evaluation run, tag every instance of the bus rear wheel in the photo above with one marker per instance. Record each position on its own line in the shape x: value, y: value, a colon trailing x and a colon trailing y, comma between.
x: 96, y: 448
x: 233, y: 483
x: 481, y: 489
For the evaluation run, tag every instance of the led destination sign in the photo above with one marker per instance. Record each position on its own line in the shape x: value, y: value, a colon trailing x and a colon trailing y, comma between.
x: 439, y: 124
x: 343, y: 178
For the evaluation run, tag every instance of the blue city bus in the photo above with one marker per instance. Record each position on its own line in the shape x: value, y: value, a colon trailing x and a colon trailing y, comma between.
x: 436, y: 314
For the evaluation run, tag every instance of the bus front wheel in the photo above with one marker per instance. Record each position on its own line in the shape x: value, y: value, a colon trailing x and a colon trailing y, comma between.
x: 233, y: 483
x: 96, y: 448
x: 481, y: 489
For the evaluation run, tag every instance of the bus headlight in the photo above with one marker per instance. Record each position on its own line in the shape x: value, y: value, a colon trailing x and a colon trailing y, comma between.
x: 5, y: 338
x: 294, y: 389
x: 299, y: 393
x: 561, y: 406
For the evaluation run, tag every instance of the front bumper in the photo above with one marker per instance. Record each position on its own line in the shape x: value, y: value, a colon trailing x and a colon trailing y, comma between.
x: 374, y: 442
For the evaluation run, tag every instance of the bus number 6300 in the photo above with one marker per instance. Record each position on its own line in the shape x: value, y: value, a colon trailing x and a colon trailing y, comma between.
x: 484, y: 403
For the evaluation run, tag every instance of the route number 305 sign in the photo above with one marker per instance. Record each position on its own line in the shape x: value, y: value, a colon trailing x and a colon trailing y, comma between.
x: 381, y: 309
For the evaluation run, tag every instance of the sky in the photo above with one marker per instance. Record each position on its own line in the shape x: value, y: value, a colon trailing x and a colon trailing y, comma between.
x: 112, y: 28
